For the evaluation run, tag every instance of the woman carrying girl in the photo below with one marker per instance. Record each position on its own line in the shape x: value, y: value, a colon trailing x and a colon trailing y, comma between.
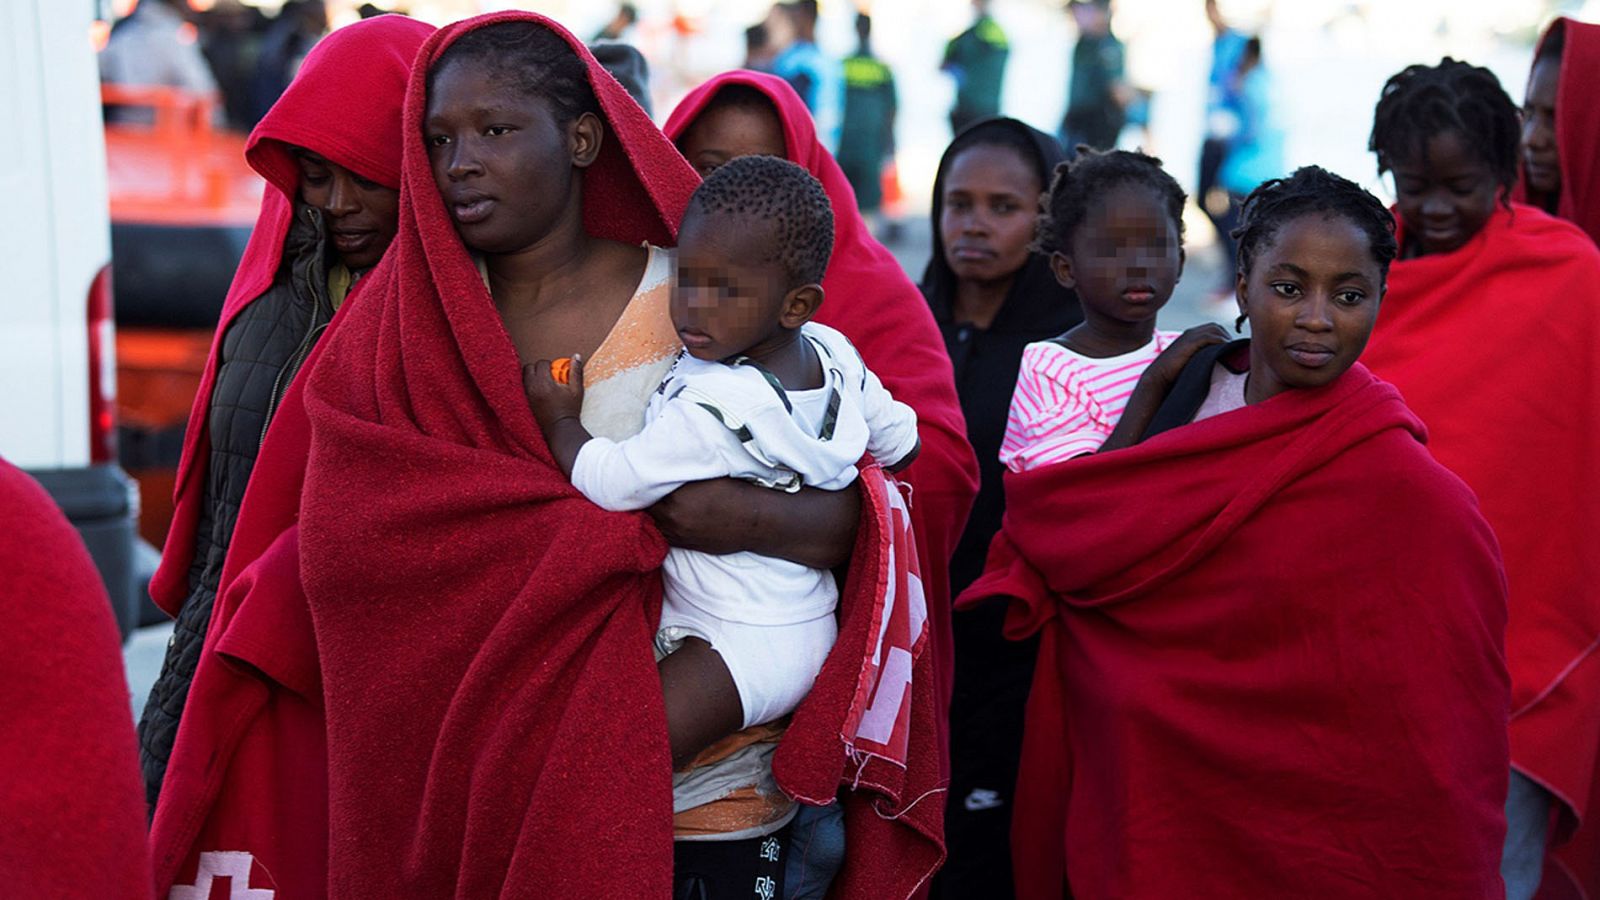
x: 1242, y: 689
x: 1560, y: 133
x: 991, y: 295
x: 1490, y: 330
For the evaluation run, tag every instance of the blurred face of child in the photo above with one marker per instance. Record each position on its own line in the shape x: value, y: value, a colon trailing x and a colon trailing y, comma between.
x: 726, y: 301
x: 729, y: 132
x: 1125, y: 257
x: 505, y: 167
x: 361, y: 215
x: 1312, y: 298
x: 1446, y: 196
x: 990, y: 201
x: 1540, y: 157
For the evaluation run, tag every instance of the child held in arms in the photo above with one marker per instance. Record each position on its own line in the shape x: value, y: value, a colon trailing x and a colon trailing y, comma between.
x: 759, y: 392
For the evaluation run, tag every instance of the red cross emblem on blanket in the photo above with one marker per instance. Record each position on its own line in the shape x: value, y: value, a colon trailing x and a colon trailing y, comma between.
x: 236, y: 868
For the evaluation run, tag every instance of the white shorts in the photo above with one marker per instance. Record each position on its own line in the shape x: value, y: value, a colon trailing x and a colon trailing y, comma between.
x: 773, y: 666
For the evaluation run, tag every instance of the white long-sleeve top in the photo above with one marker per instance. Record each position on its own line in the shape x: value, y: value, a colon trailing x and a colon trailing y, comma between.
x: 715, y: 420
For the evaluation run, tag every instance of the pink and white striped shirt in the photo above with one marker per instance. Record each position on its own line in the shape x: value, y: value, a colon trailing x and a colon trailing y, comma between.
x: 1066, y: 404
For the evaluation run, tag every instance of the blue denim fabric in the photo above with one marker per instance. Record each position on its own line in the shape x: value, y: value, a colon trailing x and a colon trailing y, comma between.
x: 816, y: 851
x: 1527, y: 830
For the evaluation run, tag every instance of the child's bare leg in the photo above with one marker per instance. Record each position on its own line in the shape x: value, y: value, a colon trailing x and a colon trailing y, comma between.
x: 702, y: 701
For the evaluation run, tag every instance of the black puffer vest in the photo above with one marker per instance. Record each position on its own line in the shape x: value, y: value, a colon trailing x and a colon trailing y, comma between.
x: 262, y: 351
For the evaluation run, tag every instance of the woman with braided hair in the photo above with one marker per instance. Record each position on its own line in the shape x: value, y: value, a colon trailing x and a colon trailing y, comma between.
x: 1490, y: 330
x: 1242, y: 689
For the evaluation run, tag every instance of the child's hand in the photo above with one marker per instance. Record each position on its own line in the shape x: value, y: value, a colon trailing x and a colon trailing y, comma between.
x: 553, y: 400
x: 1166, y: 368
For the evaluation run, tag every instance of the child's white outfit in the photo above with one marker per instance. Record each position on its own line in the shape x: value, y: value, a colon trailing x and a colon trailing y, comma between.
x: 770, y: 619
x: 1066, y: 404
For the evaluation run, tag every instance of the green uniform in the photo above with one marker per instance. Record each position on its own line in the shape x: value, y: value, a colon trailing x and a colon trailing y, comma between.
x: 1094, y: 116
x: 866, y: 140
x: 977, y: 57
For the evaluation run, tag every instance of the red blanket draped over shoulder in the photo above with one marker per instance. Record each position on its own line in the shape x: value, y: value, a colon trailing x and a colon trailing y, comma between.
x: 1497, y: 347
x: 1577, y: 127
x: 1271, y: 661
x: 369, y: 62
x: 868, y: 297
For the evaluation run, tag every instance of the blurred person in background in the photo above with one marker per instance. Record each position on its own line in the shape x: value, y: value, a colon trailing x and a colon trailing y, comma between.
x: 799, y: 61
x: 627, y: 65
x: 866, y: 139
x: 1221, y: 126
x: 1254, y: 155
x: 758, y: 50
x: 627, y: 16
x: 300, y: 24
x: 976, y: 58
x: 329, y: 150
x: 1560, y: 170
x: 155, y: 46
x: 73, y: 826
x: 1098, y: 96
x: 230, y: 36
x: 991, y: 296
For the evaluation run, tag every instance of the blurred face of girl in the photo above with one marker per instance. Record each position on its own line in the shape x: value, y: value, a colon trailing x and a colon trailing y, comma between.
x: 990, y: 201
x: 1312, y: 298
x: 1446, y: 196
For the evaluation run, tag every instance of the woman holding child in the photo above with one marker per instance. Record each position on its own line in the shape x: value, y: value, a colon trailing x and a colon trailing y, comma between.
x: 1242, y: 688
x: 479, y: 626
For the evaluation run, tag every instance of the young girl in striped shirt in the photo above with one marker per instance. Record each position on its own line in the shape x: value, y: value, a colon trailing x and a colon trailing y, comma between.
x: 1113, y: 228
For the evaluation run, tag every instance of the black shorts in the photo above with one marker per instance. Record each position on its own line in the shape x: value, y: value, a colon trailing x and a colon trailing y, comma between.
x: 750, y: 869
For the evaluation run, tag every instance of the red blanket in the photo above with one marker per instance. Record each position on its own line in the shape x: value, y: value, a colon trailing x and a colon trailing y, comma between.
x: 1577, y: 128
x: 1270, y: 665
x: 1495, y: 347
x: 344, y: 104
x: 869, y: 298
x: 72, y: 810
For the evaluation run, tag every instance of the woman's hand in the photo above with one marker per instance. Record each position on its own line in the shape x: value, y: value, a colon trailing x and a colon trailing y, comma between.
x: 813, y: 528
x: 1157, y: 381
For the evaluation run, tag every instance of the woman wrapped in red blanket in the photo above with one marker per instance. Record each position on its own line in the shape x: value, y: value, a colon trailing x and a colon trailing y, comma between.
x: 73, y: 819
x: 1492, y: 332
x: 483, y: 633
x: 1271, y: 660
x: 1560, y: 171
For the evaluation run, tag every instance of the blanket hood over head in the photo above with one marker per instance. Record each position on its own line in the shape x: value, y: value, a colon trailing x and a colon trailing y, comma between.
x: 344, y: 104
x: 1577, y: 128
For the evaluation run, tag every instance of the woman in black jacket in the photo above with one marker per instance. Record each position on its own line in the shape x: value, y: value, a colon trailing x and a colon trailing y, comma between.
x: 991, y: 296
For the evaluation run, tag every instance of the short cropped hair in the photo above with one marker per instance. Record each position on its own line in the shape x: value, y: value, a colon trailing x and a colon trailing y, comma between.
x: 778, y: 192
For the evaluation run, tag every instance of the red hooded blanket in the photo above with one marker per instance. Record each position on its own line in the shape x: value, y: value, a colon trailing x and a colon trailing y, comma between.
x: 245, y: 793
x: 1270, y: 662
x: 478, y: 669
x: 869, y: 298
x: 1577, y: 128
x: 1497, y: 347
x: 72, y: 810
x: 344, y: 104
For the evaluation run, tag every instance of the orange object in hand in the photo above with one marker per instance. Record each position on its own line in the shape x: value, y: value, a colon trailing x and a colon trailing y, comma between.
x: 561, y: 369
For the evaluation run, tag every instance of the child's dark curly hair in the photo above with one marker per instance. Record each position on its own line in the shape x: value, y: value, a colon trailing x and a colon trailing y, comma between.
x: 776, y: 191
x: 1422, y: 102
x: 1313, y: 189
x: 1078, y: 181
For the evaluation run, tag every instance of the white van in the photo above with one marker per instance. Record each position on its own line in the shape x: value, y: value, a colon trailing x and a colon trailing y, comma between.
x: 57, y: 374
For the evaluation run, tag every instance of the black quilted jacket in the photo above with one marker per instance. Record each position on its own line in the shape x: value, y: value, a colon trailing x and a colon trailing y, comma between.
x: 262, y: 351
